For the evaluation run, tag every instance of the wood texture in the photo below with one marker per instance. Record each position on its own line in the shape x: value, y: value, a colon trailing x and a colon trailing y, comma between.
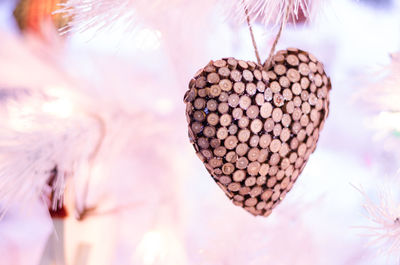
x: 255, y: 129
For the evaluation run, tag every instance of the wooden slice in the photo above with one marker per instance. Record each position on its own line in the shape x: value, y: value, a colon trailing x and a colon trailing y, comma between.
x: 236, y: 75
x: 215, y: 142
x: 197, y: 127
x: 234, y: 186
x: 199, y: 103
x: 278, y: 100
x: 203, y: 143
x: 253, y: 154
x: 232, y: 63
x: 233, y: 100
x: 225, y: 84
x: 201, y: 82
x: 251, y: 181
x: 248, y: 76
x: 293, y: 75
x: 209, y: 131
x: 253, y: 168
x: 277, y: 114
x: 265, y: 140
x: 243, y: 65
x: 279, y: 69
x: 224, y: 72
x: 231, y: 157
x: 220, y: 151
x: 285, y: 135
x: 254, y: 140
x: 252, y: 112
x: 239, y: 87
x: 284, y: 150
x: 239, y: 175
x: 286, y: 120
x: 266, y: 110
x: 303, y: 57
x: 251, y: 89
x: 257, y: 74
x: 237, y: 113
x: 223, y: 107
x: 292, y: 60
x: 277, y: 130
x: 245, y: 102
x: 231, y: 142
x: 269, y: 125
x: 199, y: 116
x: 297, y: 101
x: 233, y: 128
x: 284, y: 81
x: 223, y: 97
x: 241, y: 149
x: 213, y: 78
x: 275, y: 87
x: 287, y: 94
x: 264, y: 168
x: 256, y: 191
x: 275, y: 145
x: 263, y: 156
x: 212, y: 105
x: 260, y: 86
x: 274, y: 159
x: 268, y: 94
x: 304, y: 69
x: 222, y: 133
x: 296, y: 89
x: 225, y: 120
x: 242, y: 163
x: 244, y: 135
x: 219, y: 63
x: 259, y: 99
x: 256, y: 126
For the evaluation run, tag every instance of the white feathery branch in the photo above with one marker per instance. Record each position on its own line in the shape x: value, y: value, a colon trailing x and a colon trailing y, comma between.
x: 29, y: 154
x: 103, y: 14
x: 385, y: 216
x: 384, y: 92
x: 270, y: 11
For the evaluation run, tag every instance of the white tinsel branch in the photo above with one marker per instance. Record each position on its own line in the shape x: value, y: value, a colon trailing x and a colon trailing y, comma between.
x: 103, y: 14
x: 33, y: 142
x: 383, y: 95
x: 270, y: 12
x: 384, y: 233
x: 385, y: 92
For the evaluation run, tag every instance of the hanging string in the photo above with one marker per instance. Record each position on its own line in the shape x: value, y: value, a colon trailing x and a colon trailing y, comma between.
x: 252, y: 35
x: 283, y: 23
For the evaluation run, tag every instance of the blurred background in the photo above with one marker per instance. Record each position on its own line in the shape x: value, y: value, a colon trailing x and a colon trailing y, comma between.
x: 145, y: 198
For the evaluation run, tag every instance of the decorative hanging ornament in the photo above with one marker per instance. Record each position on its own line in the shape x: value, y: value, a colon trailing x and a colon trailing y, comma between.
x: 255, y: 126
x: 31, y: 14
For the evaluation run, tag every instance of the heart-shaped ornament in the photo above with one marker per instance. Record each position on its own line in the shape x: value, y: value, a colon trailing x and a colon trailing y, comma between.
x: 254, y: 129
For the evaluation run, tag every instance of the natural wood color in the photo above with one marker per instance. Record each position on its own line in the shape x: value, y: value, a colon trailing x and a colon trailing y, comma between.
x: 231, y: 142
x: 254, y: 140
x: 225, y: 120
x: 255, y: 129
x: 242, y: 149
x: 242, y: 163
x: 223, y: 108
x: 237, y: 113
x: 244, y: 102
x: 269, y: 125
x: 251, y: 89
